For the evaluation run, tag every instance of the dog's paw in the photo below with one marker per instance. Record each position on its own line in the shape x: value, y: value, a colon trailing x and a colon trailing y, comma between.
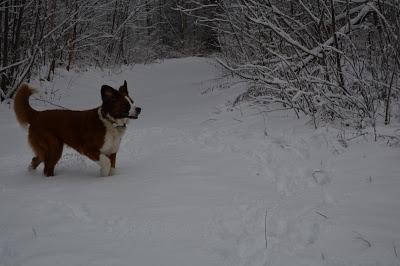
x: 31, y: 168
x: 112, y: 171
x: 104, y: 172
x: 107, y: 172
x: 105, y: 165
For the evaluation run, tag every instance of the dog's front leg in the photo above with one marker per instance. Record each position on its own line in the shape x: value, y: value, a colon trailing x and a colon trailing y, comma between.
x: 112, y: 157
x: 105, y: 165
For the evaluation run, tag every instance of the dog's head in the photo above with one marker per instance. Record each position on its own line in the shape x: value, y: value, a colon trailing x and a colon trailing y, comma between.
x: 118, y: 104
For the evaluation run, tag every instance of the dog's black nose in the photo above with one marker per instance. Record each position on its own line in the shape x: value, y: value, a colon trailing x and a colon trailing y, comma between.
x: 138, y: 110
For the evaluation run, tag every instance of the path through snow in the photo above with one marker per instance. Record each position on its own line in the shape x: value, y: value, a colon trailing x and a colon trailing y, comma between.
x: 198, y: 183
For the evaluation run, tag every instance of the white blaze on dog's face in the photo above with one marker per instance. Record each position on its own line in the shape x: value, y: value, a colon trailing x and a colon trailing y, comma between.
x: 134, y: 111
x: 118, y: 104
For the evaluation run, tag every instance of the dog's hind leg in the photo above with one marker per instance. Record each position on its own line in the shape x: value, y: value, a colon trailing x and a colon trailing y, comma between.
x: 37, y: 149
x: 35, y: 163
x: 52, y: 156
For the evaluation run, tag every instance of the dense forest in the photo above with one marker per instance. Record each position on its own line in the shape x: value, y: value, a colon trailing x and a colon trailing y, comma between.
x: 329, y: 59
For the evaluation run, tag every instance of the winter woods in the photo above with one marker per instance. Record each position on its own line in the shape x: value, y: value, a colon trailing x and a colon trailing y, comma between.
x: 329, y: 59
x: 48, y: 34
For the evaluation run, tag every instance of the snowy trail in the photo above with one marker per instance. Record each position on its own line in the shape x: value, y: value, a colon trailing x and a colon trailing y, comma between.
x: 198, y: 183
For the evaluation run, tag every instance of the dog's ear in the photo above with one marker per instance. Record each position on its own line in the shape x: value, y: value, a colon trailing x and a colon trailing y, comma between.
x: 107, y: 93
x: 124, y: 88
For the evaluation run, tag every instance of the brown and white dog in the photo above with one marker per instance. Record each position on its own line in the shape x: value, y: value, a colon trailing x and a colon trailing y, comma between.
x: 95, y: 133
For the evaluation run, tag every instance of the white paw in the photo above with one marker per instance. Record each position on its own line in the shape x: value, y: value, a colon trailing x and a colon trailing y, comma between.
x: 105, y: 165
x: 104, y: 172
x: 112, y: 171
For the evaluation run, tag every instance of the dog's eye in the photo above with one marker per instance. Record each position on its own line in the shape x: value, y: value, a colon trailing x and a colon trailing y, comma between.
x: 125, y: 112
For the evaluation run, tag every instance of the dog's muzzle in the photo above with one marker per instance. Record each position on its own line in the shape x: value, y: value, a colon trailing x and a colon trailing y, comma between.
x: 135, y: 115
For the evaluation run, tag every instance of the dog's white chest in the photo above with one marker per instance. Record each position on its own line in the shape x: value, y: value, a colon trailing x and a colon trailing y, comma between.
x: 112, y: 140
x: 113, y: 135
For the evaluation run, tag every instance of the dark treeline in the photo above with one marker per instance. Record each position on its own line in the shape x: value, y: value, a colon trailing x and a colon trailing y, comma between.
x: 37, y: 34
x: 328, y: 59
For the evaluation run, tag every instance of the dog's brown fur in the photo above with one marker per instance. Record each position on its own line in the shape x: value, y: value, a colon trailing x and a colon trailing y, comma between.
x: 84, y: 131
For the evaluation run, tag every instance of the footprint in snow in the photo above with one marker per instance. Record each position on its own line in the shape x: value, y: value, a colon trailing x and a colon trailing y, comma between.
x: 321, y: 177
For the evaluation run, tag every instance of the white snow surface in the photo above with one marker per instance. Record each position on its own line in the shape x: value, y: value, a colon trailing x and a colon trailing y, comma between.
x: 198, y: 182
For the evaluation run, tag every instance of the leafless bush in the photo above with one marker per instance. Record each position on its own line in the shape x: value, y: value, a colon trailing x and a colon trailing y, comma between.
x: 331, y: 60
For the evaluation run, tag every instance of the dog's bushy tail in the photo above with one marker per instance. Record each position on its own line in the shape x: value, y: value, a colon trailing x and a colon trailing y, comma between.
x: 23, y: 110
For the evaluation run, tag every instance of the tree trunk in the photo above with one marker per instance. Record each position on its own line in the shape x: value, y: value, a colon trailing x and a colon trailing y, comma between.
x: 148, y: 19
x: 389, y: 93
x: 53, y: 46
x: 18, y: 32
x: 71, y: 46
x: 5, y: 48
x: 336, y: 42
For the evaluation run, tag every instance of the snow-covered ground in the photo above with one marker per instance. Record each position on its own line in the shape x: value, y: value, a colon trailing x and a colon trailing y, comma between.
x: 199, y: 182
